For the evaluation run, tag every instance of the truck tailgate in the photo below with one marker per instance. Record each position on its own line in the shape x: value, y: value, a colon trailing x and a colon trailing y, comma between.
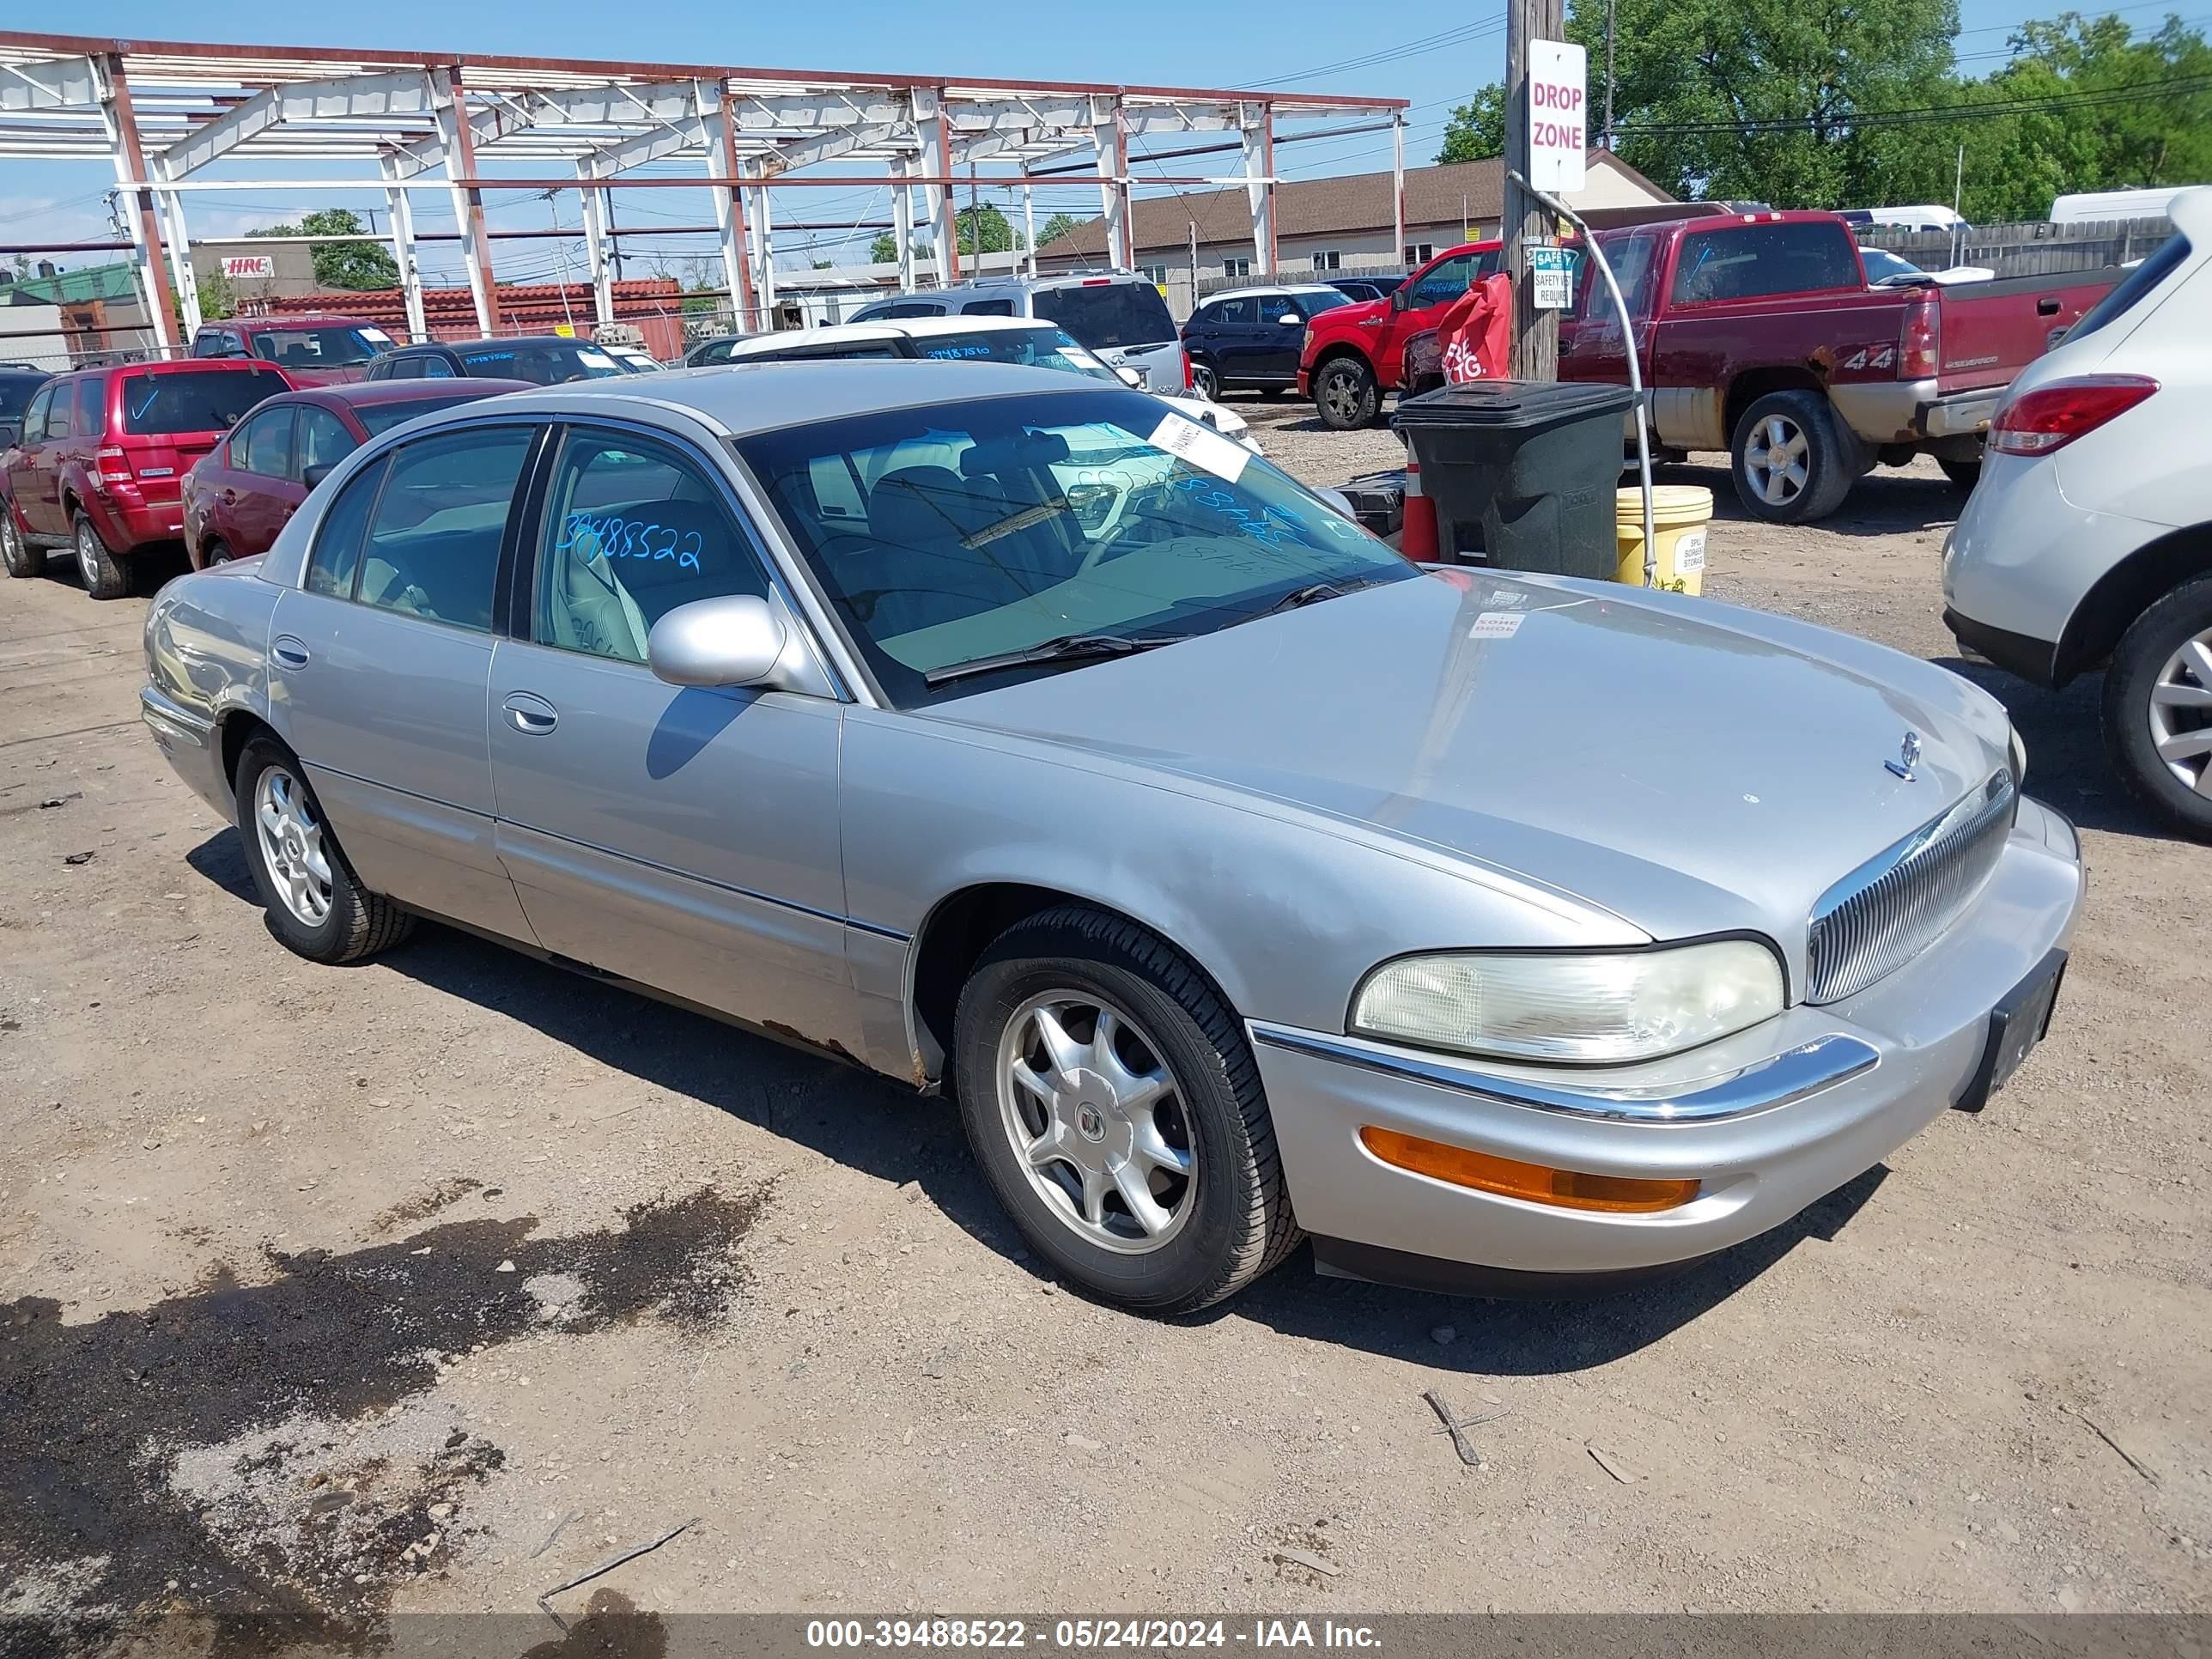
x: 1991, y: 331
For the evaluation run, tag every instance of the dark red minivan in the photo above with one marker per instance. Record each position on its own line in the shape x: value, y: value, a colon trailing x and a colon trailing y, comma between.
x: 246, y: 490
x: 103, y: 453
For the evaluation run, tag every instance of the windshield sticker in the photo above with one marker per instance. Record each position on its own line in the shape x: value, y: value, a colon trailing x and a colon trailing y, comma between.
x: 1496, y: 624
x: 1202, y: 446
x: 587, y: 534
x: 595, y: 360
x: 368, y: 333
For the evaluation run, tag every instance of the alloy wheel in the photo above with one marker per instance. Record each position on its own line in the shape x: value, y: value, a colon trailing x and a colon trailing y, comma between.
x: 2181, y: 713
x: 1340, y: 391
x: 1776, y: 459
x: 292, y: 845
x: 1096, y: 1120
x: 88, y: 552
x: 11, y: 545
x: 1202, y: 381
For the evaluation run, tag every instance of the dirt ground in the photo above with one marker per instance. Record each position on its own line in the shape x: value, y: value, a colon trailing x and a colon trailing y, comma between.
x: 339, y: 1291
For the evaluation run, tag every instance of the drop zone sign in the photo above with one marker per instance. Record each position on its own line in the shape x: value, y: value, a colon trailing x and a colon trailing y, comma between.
x: 1559, y: 115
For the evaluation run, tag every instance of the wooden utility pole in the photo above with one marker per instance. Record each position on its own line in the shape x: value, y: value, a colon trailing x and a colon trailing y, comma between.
x: 1609, y: 74
x: 1535, y: 333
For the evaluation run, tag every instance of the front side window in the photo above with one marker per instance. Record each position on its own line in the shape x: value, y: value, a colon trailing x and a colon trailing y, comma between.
x: 433, y: 369
x: 633, y: 529
x: 323, y: 439
x: 1443, y: 283
x: 1321, y: 299
x: 336, y: 557
x: 34, y: 417
x: 194, y: 399
x: 968, y: 531
x: 433, y: 545
x: 1748, y: 262
x: 1635, y: 262
x: 264, y: 444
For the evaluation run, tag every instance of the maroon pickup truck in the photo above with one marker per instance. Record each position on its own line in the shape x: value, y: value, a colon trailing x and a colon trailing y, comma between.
x: 1758, y: 334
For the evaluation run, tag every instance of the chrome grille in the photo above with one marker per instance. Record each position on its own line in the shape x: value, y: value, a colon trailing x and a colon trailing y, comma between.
x: 1889, y: 909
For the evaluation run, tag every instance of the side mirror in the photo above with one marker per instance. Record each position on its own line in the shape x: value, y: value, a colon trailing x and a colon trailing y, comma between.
x: 1401, y: 297
x: 733, y: 641
x: 314, y: 475
x: 1289, y: 319
x: 1130, y: 376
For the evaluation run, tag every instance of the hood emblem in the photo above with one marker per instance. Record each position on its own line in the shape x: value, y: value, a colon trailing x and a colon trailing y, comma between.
x: 1908, y: 756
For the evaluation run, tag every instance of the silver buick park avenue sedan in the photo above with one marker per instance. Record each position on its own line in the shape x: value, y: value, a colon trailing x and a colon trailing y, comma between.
x: 1012, y: 734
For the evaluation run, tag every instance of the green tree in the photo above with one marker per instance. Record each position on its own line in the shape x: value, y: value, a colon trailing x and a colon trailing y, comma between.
x: 1476, y: 130
x: 342, y: 265
x: 998, y: 236
x: 1694, y: 73
x: 218, y: 299
x: 883, y: 250
x: 1059, y: 225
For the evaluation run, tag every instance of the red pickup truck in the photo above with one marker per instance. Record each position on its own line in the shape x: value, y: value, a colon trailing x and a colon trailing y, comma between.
x: 310, y: 350
x: 1757, y: 333
x: 1353, y: 353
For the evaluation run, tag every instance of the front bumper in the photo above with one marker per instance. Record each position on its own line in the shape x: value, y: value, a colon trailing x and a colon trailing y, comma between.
x: 1768, y: 1120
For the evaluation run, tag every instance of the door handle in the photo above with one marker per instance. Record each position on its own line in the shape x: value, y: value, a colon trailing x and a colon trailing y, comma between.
x: 530, y: 714
x: 290, y: 651
x: 2046, y: 307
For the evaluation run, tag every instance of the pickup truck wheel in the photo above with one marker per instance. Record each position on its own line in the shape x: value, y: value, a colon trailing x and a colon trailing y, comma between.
x: 1791, y: 463
x: 1965, y: 474
x: 315, y: 904
x: 217, y: 551
x: 20, y: 557
x: 1203, y: 380
x: 2158, y: 708
x: 1110, y: 1097
x: 1346, y: 396
x: 105, y: 576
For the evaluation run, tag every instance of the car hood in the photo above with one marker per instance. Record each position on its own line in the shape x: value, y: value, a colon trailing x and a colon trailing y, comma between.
x: 1345, y: 319
x: 1690, y: 767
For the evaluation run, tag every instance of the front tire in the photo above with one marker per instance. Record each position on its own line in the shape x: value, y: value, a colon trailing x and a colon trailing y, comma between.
x: 1205, y: 380
x: 1791, y: 460
x: 1110, y: 1094
x: 105, y: 576
x: 20, y: 558
x: 1345, y: 394
x: 315, y: 904
x: 2158, y: 708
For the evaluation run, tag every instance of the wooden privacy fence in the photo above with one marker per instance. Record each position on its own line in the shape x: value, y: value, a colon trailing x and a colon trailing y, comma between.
x: 2032, y: 249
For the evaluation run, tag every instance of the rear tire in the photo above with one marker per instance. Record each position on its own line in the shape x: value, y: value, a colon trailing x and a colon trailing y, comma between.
x: 1204, y: 380
x: 217, y: 551
x: 1173, y: 1104
x: 316, y: 905
x: 1345, y: 394
x: 20, y: 558
x: 105, y: 576
x: 1791, y: 459
x: 1965, y: 474
x: 2161, y: 665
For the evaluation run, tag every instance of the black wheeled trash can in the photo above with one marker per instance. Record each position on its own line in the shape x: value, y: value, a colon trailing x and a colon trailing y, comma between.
x: 1522, y: 474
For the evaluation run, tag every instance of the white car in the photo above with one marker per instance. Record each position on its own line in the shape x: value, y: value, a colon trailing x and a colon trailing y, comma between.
x: 2088, y: 542
x: 972, y: 338
x: 631, y: 358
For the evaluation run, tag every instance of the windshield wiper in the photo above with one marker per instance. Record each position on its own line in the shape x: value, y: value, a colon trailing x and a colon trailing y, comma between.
x: 1068, y: 648
x: 1313, y: 593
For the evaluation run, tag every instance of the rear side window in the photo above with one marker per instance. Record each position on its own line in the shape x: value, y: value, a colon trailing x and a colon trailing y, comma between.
x: 1108, y: 314
x: 263, y: 444
x: 433, y: 546
x: 90, y: 419
x: 336, y: 553
x: 194, y: 399
x: 989, y: 308
x: 2134, y: 287
x: 1234, y: 311
x: 58, y: 418
x: 1748, y: 262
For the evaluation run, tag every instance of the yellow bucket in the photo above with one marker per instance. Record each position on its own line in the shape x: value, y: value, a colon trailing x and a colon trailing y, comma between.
x: 1679, y: 513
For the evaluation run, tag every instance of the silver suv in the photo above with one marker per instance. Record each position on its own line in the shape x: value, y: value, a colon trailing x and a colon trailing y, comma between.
x: 1121, y: 318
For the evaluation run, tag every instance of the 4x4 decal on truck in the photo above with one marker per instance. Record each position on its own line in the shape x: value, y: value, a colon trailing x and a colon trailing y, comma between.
x: 1882, y: 356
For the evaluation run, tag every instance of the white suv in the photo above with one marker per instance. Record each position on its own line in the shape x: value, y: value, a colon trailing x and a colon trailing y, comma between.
x: 2089, y: 540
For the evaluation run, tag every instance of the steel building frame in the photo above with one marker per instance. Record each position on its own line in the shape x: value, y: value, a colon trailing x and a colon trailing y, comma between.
x: 162, y: 114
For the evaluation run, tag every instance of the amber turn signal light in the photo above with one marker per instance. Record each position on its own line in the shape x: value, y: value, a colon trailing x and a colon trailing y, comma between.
x: 1568, y: 1189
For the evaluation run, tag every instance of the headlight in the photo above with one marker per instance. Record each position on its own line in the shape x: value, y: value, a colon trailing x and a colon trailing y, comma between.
x: 1601, y: 1008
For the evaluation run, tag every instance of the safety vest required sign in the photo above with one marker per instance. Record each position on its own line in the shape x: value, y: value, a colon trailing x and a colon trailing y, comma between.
x: 1559, y: 115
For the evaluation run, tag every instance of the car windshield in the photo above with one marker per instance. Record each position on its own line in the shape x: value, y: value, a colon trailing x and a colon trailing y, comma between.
x: 1883, y: 266
x: 1041, y: 347
x: 1108, y: 313
x: 1322, y: 300
x: 382, y: 417
x: 319, y: 345
x: 946, y: 534
x: 548, y: 362
x: 194, y: 399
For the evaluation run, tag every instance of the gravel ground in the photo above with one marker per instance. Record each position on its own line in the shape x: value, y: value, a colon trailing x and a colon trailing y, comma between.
x: 335, y: 1291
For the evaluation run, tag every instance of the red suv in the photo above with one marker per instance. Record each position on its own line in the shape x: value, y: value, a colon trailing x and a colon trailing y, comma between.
x: 1353, y: 353
x: 102, y: 455
x: 312, y: 350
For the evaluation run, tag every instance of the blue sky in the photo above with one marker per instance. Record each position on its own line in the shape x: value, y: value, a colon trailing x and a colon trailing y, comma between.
x: 1136, y: 41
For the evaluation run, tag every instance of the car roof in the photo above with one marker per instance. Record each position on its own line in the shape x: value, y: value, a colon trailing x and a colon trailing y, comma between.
x: 304, y: 319
x: 404, y: 391
x: 502, y: 340
x: 742, y: 398
x: 1250, y: 289
x: 884, y: 328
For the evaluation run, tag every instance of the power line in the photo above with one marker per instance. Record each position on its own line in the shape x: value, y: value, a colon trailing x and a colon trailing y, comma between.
x: 2180, y: 86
